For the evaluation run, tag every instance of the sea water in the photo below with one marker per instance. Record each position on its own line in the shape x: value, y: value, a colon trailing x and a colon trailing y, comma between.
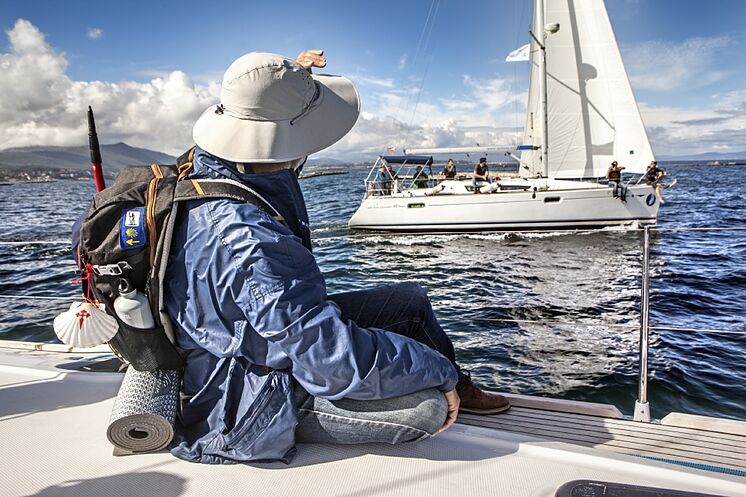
x: 552, y: 314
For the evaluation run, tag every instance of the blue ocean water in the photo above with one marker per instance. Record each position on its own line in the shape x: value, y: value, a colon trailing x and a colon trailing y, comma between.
x: 551, y: 314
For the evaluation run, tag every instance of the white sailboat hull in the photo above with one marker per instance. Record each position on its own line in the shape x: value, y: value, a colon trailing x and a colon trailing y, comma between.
x: 583, y: 206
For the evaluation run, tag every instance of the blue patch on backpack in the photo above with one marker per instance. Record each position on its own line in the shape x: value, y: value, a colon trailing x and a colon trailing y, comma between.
x: 132, y: 233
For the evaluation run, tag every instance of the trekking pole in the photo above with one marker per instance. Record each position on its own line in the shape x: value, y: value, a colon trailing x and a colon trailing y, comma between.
x: 98, y: 173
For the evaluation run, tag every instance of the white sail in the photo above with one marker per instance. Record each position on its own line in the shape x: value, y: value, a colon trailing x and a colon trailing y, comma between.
x: 592, y: 113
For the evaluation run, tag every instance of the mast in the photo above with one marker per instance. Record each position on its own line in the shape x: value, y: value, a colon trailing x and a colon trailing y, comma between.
x: 540, y: 31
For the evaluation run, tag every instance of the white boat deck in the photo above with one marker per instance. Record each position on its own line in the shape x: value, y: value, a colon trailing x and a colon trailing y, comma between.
x: 53, y: 423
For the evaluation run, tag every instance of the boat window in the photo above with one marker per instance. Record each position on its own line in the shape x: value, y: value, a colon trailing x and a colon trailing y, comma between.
x: 417, y: 205
x: 551, y: 199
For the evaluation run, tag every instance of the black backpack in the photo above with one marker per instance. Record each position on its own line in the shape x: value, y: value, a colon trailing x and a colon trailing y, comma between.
x: 126, y: 233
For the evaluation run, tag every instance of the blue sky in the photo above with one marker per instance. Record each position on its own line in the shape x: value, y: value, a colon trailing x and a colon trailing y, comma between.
x: 135, y: 59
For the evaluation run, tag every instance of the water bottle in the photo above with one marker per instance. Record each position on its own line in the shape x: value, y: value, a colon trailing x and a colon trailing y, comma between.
x: 132, y: 306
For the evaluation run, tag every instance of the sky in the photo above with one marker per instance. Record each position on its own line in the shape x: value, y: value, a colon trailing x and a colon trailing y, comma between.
x: 430, y: 73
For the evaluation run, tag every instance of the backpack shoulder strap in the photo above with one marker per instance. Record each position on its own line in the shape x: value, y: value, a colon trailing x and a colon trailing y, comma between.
x: 196, y: 189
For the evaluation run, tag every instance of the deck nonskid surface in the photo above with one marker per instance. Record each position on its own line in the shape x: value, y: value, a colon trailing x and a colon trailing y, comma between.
x: 53, y: 427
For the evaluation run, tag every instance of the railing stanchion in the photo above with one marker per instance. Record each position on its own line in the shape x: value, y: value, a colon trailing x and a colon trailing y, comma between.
x: 642, y: 409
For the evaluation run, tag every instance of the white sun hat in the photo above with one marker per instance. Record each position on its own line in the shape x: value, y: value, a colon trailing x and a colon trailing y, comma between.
x: 273, y: 110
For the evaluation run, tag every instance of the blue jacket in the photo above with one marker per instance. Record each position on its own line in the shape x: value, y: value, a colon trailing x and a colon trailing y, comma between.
x: 249, y: 304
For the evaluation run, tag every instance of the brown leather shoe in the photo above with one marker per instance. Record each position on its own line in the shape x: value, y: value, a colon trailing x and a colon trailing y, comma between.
x: 476, y: 401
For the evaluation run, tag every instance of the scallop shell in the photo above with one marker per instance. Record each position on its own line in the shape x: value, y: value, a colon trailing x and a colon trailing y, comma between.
x: 85, y: 325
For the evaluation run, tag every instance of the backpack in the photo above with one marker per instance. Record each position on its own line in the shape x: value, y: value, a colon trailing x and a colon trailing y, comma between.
x: 126, y: 233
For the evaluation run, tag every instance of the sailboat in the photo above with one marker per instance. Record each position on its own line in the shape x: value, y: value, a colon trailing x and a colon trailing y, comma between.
x: 581, y: 116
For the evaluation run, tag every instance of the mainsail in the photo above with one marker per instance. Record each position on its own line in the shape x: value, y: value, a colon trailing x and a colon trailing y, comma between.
x: 592, y: 113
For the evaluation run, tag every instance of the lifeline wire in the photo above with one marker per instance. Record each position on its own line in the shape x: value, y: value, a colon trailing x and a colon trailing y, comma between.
x: 39, y: 242
x: 606, y: 325
x: 461, y: 233
x: 35, y: 297
x: 519, y: 321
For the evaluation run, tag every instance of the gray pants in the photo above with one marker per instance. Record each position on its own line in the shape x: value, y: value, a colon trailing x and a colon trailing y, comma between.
x: 618, y: 189
x: 409, y: 418
x: 400, y: 308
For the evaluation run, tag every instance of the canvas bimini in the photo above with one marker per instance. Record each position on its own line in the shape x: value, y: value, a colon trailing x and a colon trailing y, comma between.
x: 570, y: 139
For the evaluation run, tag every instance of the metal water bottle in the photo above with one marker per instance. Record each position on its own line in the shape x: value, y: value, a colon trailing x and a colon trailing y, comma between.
x: 132, y: 306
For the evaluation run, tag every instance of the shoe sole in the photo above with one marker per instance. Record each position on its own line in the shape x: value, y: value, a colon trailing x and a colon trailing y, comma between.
x: 496, y: 410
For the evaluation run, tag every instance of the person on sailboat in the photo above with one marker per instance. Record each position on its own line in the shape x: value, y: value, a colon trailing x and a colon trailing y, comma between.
x: 384, y: 180
x: 271, y: 358
x: 614, y: 175
x: 449, y: 170
x: 481, y: 174
x: 420, y: 178
x: 654, y: 177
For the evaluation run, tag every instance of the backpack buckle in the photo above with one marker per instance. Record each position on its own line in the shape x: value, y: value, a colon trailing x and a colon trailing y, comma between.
x: 117, y: 269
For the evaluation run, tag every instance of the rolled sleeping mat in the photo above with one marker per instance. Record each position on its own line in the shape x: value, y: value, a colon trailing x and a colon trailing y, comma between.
x: 145, y: 410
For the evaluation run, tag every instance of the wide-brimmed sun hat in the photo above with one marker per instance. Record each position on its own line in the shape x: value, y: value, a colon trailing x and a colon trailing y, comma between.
x: 273, y: 110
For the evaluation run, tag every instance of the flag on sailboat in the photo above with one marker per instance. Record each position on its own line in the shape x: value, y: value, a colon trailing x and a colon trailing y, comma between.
x: 519, y: 54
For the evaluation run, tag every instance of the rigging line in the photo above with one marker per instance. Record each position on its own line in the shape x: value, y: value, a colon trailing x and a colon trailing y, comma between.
x: 424, y: 75
x: 404, y: 103
x: 422, y: 32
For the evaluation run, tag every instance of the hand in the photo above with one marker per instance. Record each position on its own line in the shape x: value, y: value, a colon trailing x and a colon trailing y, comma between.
x: 311, y: 58
x: 453, y: 402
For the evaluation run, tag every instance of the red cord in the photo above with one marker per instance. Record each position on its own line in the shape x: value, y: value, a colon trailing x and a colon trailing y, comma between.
x: 85, y: 277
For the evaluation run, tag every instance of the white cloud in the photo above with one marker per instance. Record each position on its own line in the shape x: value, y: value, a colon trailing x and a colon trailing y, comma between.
x: 484, y: 114
x: 681, y: 131
x: 402, y: 62
x: 372, y: 135
x: 658, y: 65
x: 95, y: 33
x: 41, y: 105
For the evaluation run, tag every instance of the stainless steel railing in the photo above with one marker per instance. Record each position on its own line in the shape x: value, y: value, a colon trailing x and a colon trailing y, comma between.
x: 642, y: 409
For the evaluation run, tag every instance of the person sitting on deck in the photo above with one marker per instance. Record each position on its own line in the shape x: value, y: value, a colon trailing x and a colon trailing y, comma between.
x: 481, y: 174
x: 614, y: 174
x: 384, y: 180
x: 420, y: 178
x: 654, y: 177
x: 449, y: 170
x: 270, y: 358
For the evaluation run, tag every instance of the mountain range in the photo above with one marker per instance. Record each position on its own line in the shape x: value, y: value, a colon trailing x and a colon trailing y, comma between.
x: 120, y: 154
x: 705, y: 156
x: 114, y: 157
